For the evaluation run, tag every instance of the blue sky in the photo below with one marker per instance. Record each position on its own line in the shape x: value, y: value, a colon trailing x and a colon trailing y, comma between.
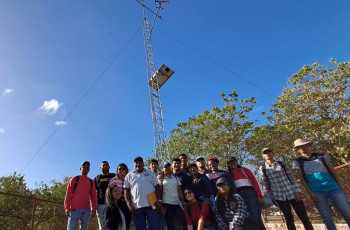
x: 52, y: 52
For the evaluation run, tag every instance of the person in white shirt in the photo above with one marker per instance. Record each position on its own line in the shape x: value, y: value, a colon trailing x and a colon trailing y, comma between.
x: 138, y: 185
x: 172, y: 198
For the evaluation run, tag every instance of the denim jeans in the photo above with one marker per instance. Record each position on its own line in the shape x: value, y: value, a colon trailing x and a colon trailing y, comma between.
x: 79, y: 214
x: 251, y: 200
x: 99, y: 214
x: 145, y: 215
x: 210, y: 228
x: 340, y: 202
x: 299, y: 209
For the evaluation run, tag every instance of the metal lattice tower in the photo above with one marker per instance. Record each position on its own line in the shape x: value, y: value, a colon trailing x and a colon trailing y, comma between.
x: 154, y: 84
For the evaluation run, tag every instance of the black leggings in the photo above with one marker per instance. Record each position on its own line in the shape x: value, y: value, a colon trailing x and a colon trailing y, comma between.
x: 174, y: 211
x: 127, y: 214
x: 299, y: 209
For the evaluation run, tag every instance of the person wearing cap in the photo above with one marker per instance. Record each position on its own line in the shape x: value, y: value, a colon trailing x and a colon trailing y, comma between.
x: 80, y: 199
x: 215, y: 173
x: 231, y: 210
x: 200, y: 183
x: 138, y: 185
x: 317, y: 174
x: 154, y: 166
x: 249, y: 189
x: 101, y: 182
x: 281, y: 184
x: 201, y: 165
x: 172, y: 198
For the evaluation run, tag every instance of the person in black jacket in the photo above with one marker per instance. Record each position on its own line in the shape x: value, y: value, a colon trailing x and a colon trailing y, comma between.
x: 200, y: 184
x: 113, y: 217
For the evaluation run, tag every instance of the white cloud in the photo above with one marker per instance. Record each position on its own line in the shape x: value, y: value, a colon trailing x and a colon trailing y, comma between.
x: 60, y: 123
x: 2, y: 130
x: 51, y: 107
x: 7, y: 91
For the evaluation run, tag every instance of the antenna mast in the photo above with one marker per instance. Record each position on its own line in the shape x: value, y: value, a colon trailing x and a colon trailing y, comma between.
x: 155, y: 81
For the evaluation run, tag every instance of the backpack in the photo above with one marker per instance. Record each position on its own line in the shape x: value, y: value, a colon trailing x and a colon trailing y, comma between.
x: 319, y: 156
x: 77, y: 178
x: 265, y: 174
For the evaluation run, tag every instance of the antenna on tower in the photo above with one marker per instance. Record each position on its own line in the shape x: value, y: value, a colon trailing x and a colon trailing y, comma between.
x: 155, y: 80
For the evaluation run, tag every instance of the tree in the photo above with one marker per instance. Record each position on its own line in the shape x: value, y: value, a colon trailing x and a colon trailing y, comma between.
x: 50, y: 215
x: 15, y: 213
x: 220, y: 132
x: 315, y: 104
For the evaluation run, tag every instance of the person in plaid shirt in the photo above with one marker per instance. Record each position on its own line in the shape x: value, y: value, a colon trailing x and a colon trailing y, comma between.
x: 280, y: 183
x: 231, y: 211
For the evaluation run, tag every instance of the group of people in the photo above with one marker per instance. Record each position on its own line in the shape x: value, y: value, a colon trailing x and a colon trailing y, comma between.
x: 181, y: 195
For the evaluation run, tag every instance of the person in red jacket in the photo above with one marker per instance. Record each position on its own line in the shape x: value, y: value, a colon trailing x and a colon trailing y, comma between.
x: 81, y: 192
x: 248, y: 188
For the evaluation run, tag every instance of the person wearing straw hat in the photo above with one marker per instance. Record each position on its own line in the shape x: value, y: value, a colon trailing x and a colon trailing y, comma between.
x: 321, y: 182
x: 281, y: 184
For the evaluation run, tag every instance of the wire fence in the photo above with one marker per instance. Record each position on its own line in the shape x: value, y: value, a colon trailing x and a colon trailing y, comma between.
x: 18, y: 212
x: 273, y: 214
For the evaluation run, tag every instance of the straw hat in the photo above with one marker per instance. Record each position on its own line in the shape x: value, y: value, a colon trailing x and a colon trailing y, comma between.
x: 300, y: 142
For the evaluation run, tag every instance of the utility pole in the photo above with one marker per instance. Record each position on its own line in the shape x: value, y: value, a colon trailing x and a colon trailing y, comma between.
x: 155, y: 79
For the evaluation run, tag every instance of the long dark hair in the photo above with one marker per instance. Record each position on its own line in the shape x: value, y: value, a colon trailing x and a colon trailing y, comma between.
x: 231, y: 200
x: 113, y: 204
x: 210, y: 217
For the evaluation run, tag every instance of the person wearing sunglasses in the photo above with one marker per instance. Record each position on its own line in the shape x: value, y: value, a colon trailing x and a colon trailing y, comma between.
x: 198, y: 213
x: 112, y: 215
x: 231, y: 210
x: 118, y: 180
x: 249, y: 189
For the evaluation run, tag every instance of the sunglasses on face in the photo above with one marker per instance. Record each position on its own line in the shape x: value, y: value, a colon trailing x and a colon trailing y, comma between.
x: 188, y: 193
x: 120, y: 169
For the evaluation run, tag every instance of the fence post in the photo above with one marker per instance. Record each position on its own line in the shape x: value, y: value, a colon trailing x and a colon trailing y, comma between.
x: 33, y: 216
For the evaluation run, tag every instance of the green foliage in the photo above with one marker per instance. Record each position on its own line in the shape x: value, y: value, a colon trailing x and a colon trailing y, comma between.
x: 220, y: 132
x: 17, y: 212
x: 315, y: 104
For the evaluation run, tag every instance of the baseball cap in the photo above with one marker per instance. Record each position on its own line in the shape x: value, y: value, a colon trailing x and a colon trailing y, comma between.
x: 138, y: 158
x: 166, y: 164
x: 193, y: 164
x: 222, y: 180
x: 85, y: 163
x: 199, y: 158
x: 229, y: 159
x: 266, y: 149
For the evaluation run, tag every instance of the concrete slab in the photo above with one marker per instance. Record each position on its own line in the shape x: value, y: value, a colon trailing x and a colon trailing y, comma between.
x: 280, y: 226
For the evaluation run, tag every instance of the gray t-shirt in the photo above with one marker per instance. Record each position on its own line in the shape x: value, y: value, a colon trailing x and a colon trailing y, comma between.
x: 317, y: 176
x: 314, y: 165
